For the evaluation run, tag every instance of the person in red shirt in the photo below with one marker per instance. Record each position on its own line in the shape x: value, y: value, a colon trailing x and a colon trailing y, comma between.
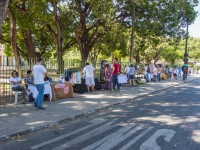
x: 115, y: 73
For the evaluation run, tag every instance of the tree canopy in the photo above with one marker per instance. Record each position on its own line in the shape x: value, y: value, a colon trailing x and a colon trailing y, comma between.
x: 51, y: 28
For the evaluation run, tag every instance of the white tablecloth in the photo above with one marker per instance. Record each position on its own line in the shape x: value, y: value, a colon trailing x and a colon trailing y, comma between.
x: 34, y: 91
x: 48, y: 90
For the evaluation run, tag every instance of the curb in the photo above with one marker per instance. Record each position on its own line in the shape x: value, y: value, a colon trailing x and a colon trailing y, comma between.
x: 82, y: 115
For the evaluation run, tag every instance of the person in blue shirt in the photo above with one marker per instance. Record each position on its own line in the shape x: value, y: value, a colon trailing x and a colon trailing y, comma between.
x: 179, y: 72
x: 132, y: 75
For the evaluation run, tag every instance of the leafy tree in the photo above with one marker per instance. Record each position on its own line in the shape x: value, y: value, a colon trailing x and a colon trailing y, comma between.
x: 156, y: 18
x: 91, y: 20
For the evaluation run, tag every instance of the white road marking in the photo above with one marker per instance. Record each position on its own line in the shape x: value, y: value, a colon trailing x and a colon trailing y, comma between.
x: 95, y: 121
x: 151, y: 144
x: 115, y: 138
x: 129, y: 144
x: 87, y: 135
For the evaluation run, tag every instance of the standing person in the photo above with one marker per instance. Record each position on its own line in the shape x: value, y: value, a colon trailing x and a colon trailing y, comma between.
x: 179, y: 71
x: 16, y: 82
x: 132, y: 75
x: 88, y: 71
x: 108, y: 77
x: 39, y: 71
x: 126, y: 71
x: 175, y: 73
x: 155, y: 74
x: 159, y: 73
x: 115, y: 73
x: 147, y: 73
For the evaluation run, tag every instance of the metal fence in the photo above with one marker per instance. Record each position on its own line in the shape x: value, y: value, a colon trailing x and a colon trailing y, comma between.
x: 54, y: 67
x: 8, y: 64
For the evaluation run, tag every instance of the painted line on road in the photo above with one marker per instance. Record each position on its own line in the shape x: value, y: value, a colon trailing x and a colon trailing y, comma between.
x: 151, y: 142
x: 114, y: 139
x: 87, y: 135
x: 95, y: 121
x: 133, y: 141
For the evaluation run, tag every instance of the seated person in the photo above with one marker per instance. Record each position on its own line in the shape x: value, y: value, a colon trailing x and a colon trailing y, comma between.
x: 47, y: 79
x: 29, y: 78
x: 16, y: 82
x: 48, y: 90
x: 29, y: 81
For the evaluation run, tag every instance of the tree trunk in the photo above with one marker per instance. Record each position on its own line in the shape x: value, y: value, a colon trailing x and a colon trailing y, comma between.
x: 30, y: 47
x: 13, y: 40
x: 137, y: 58
x: 3, y: 9
x: 58, y: 38
x: 29, y: 43
x: 60, y: 59
x: 84, y: 55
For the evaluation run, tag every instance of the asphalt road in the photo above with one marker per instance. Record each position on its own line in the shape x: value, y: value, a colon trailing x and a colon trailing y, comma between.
x: 167, y: 120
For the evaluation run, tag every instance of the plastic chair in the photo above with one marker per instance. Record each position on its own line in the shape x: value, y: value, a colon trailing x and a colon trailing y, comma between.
x: 2, y: 100
x: 16, y: 93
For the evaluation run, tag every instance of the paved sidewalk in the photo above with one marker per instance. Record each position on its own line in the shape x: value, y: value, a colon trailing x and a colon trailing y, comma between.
x: 20, y: 119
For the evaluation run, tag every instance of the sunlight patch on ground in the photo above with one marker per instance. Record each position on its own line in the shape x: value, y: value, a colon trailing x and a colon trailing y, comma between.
x: 77, y: 102
x: 3, y: 115
x: 25, y: 114
x: 37, y: 122
x: 78, y: 107
x: 196, y: 136
x: 168, y: 120
x: 117, y: 110
x: 192, y: 119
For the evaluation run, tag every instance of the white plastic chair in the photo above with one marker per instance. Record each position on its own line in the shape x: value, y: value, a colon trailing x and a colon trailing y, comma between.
x: 2, y: 100
x: 16, y: 93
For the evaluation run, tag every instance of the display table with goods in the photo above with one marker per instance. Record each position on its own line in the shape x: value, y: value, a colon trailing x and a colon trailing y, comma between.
x: 62, y: 90
x: 82, y: 88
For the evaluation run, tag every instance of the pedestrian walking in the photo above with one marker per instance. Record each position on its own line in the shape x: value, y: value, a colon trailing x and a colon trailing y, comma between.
x: 39, y: 71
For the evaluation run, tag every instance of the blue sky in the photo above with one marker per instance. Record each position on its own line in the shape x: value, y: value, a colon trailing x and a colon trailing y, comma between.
x: 194, y: 29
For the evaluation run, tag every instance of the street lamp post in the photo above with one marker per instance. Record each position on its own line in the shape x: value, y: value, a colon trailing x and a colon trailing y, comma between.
x: 186, y: 46
x: 132, y: 33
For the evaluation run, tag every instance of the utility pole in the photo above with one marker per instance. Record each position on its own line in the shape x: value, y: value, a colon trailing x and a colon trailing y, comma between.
x: 132, y: 33
x: 186, y: 45
x: 3, y: 9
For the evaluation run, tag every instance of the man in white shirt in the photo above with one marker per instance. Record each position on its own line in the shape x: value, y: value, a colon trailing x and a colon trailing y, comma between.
x: 88, y: 71
x: 39, y: 71
x: 126, y: 70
